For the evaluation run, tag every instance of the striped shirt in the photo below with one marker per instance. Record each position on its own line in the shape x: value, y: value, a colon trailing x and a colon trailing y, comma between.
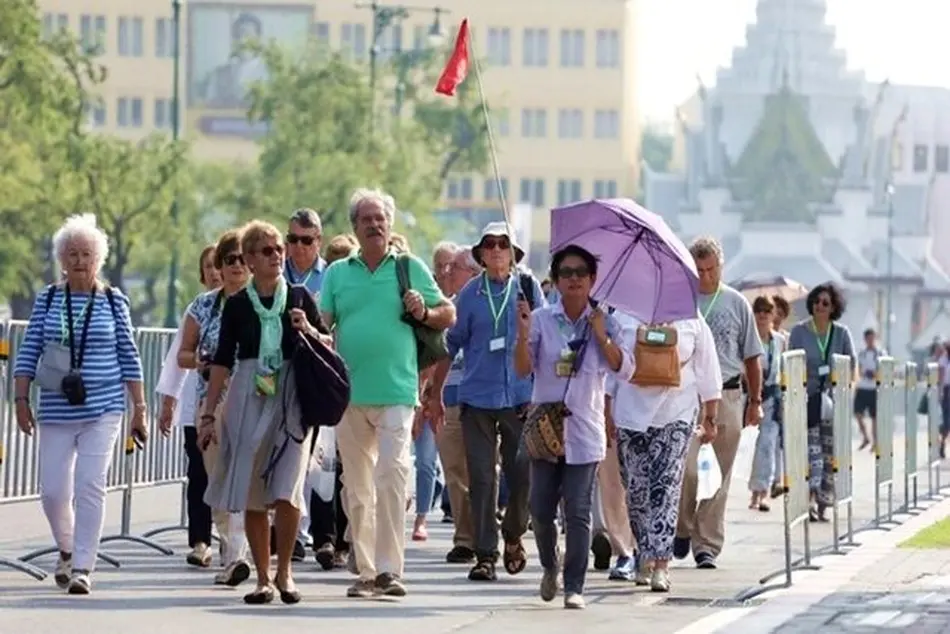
x: 111, y: 357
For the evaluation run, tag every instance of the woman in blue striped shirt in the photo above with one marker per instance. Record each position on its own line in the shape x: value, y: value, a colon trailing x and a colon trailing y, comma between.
x: 79, y: 347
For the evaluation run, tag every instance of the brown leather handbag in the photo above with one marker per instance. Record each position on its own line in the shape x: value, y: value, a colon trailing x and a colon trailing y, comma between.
x: 656, y: 357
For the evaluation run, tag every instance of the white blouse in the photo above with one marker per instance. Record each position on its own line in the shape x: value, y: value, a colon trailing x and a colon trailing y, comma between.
x: 179, y: 383
x: 637, y: 408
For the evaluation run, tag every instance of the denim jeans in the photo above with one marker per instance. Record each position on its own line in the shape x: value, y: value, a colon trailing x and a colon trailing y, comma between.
x: 574, y: 483
x: 427, y: 456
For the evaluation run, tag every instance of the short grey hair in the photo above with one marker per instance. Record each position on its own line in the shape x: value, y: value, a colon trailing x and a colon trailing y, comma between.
x: 81, y: 227
x: 706, y: 246
x: 447, y: 247
x: 375, y: 196
x: 465, y: 253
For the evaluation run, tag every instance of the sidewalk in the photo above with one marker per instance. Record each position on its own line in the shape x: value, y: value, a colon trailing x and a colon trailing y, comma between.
x: 153, y: 593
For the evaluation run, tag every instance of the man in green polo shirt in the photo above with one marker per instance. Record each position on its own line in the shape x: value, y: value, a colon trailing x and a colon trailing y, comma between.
x: 360, y: 299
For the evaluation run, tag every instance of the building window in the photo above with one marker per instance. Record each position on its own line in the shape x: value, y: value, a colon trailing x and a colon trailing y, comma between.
x: 321, y: 33
x: 532, y: 192
x: 606, y: 124
x: 136, y: 113
x: 129, y: 112
x: 921, y: 156
x: 162, y: 114
x: 499, y: 46
x: 91, y: 31
x: 535, y: 45
x: 49, y: 26
x: 502, y: 121
x: 608, y: 48
x: 942, y: 159
x: 568, y: 191
x: 131, y: 36
x: 465, y: 188
x: 452, y: 189
x: 97, y: 115
x: 164, y: 37
x: 534, y: 123
x: 122, y: 113
x: 390, y: 42
x: 62, y: 22
x: 572, y: 48
x: 491, y: 189
x: 605, y: 189
x: 353, y: 41
x: 570, y: 124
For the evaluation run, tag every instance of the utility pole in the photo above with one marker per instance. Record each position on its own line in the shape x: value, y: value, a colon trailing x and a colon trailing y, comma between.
x: 890, y: 267
x: 171, y: 307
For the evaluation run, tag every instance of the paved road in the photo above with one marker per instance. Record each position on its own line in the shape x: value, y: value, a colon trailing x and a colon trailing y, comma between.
x: 155, y: 593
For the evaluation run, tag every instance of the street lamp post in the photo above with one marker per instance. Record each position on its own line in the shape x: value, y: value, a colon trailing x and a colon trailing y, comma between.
x: 171, y: 310
x: 383, y: 17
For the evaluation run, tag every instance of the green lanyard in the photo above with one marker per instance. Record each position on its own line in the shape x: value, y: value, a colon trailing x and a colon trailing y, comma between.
x: 712, y: 302
x: 64, y: 326
x: 822, y: 345
x: 496, y: 313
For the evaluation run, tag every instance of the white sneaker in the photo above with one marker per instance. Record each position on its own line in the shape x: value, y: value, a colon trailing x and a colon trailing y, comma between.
x: 79, y: 583
x: 574, y: 601
x: 660, y: 581
x: 64, y: 570
x: 199, y: 556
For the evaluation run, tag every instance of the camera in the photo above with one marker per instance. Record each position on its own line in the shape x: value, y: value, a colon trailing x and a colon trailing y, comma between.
x: 205, y: 358
x: 74, y: 388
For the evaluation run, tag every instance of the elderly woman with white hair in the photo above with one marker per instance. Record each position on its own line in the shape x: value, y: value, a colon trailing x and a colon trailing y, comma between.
x: 79, y: 348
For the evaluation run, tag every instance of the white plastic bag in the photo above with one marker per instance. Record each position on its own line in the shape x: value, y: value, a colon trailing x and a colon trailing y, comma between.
x: 709, y: 475
x: 323, y: 464
x: 745, y: 454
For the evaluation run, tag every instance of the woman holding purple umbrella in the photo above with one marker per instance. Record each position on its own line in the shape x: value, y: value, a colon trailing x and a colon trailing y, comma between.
x: 571, y: 347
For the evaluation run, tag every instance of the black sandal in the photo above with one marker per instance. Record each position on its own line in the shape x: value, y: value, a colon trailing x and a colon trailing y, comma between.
x: 515, y: 558
x: 764, y: 508
x: 260, y: 595
x: 483, y: 571
x: 288, y: 597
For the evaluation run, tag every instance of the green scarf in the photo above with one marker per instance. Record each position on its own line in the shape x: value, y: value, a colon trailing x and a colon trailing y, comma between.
x: 270, y: 357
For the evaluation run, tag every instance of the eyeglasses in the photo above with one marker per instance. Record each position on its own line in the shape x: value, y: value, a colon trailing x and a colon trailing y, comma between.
x: 496, y: 243
x: 307, y: 241
x: 268, y: 251
x: 232, y: 259
x: 567, y: 272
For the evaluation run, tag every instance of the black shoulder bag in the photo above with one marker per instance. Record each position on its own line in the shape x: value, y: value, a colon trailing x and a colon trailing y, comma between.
x: 73, y: 387
x: 431, y: 346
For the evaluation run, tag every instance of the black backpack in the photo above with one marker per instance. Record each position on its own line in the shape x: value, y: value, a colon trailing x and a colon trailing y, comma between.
x: 322, y: 378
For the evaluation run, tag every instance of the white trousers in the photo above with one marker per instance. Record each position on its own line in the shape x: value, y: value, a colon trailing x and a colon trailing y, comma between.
x: 74, y: 463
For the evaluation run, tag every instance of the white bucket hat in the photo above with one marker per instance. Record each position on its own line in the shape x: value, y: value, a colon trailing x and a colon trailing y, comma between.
x: 497, y: 230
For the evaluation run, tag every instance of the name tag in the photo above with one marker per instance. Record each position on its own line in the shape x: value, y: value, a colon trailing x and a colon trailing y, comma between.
x: 824, y: 370
x: 496, y: 344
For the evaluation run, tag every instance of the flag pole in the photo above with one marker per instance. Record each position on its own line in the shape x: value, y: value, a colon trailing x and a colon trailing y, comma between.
x: 493, y: 151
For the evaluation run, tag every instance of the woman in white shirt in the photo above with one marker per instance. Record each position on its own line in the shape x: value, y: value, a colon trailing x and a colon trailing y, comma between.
x: 178, y: 389
x: 653, y: 427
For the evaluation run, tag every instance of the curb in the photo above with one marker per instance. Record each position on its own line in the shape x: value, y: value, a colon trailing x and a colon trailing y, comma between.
x: 811, y: 587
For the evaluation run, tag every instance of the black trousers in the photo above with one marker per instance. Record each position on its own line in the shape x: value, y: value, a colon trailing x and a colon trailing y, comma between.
x: 328, y: 521
x: 199, y: 513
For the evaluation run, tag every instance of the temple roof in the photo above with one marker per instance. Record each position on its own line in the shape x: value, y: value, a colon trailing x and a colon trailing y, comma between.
x: 785, y: 166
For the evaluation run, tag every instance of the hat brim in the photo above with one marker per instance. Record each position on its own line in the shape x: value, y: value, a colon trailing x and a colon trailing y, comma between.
x: 477, y: 253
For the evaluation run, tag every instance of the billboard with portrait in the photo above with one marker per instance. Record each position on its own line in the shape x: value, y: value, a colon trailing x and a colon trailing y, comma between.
x: 219, y: 74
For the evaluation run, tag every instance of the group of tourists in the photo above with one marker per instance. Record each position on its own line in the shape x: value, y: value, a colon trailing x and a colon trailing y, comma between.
x: 520, y: 356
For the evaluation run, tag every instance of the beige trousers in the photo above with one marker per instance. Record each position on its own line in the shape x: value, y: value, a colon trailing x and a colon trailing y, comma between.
x: 374, y: 445
x: 455, y: 468
x: 613, y: 501
x: 705, y: 523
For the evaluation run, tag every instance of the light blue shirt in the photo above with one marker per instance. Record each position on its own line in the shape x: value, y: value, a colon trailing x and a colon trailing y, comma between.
x: 312, y: 279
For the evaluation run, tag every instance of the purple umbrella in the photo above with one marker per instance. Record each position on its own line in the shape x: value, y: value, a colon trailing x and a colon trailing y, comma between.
x: 643, y: 268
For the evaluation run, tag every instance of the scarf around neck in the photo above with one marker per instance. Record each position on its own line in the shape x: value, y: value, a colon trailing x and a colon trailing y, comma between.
x: 269, y: 356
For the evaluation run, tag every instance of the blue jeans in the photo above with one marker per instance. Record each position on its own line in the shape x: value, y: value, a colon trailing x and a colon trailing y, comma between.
x: 764, y: 460
x: 427, y: 456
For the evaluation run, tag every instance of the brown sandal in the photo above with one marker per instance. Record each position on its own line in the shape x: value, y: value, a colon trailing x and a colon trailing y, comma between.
x: 515, y: 558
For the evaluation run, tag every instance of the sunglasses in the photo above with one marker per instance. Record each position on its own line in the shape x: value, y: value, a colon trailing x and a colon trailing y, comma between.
x: 496, y: 243
x: 268, y: 251
x: 307, y: 241
x: 232, y: 259
x: 567, y: 272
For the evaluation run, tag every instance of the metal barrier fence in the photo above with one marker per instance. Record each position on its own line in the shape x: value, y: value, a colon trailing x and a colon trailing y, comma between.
x: 890, y: 382
x: 934, y: 423
x: 841, y: 460
x: 911, y: 424
x: 160, y: 462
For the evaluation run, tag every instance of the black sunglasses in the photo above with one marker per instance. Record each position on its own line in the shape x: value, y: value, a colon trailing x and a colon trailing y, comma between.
x: 293, y: 238
x: 232, y: 259
x: 269, y: 251
x: 566, y: 272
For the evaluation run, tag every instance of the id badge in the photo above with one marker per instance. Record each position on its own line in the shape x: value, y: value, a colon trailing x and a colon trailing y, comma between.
x: 496, y: 344
x: 824, y: 370
x: 266, y: 384
x: 562, y: 369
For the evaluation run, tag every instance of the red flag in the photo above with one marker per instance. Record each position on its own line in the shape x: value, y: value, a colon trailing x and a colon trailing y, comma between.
x: 457, y: 67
